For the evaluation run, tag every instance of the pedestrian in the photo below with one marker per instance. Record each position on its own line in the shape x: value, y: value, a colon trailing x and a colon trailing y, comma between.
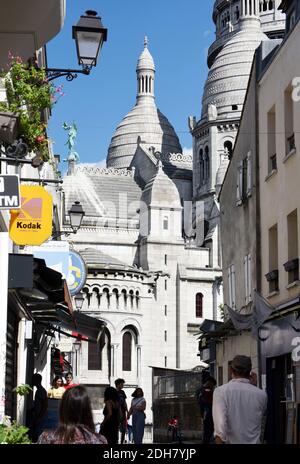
x: 112, y: 413
x: 69, y: 381
x: 39, y: 410
x: 173, y: 427
x: 205, y: 402
x: 76, y: 425
x: 239, y: 406
x: 57, y: 390
x: 137, y: 410
x: 119, y: 383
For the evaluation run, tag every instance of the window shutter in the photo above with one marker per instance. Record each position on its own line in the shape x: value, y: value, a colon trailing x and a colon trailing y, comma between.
x: 239, y: 191
x: 249, y: 279
x: 233, y: 286
x: 246, y: 278
x: 229, y: 287
x: 249, y: 174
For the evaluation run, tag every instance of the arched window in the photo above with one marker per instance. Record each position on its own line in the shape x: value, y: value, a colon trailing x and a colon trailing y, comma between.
x: 206, y: 163
x: 271, y: 5
x: 228, y: 149
x: 199, y: 305
x: 265, y: 5
x: 127, y: 346
x: 201, y: 163
x: 166, y: 223
x: 124, y: 294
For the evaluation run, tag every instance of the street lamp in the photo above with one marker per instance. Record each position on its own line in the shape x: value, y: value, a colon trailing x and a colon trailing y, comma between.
x: 79, y: 299
x: 89, y: 35
x: 76, y: 346
x: 76, y: 214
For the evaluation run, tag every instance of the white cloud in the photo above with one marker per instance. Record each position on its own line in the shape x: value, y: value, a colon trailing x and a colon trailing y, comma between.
x: 100, y: 164
x: 187, y: 151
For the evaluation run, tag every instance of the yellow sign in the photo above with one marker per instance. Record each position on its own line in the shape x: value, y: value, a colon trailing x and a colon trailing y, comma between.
x: 32, y: 224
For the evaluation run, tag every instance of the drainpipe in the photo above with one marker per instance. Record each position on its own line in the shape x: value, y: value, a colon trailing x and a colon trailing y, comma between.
x: 4, y: 249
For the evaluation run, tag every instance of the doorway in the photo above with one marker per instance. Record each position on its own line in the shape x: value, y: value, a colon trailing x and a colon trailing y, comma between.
x: 279, y: 390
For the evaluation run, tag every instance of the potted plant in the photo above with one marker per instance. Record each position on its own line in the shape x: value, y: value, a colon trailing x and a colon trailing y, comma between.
x: 29, y: 94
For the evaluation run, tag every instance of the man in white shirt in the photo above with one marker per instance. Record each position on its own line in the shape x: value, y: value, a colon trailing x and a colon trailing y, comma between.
x: 239, y: 407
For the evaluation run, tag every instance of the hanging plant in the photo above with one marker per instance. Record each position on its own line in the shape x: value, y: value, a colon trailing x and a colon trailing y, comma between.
x: 28, y: 94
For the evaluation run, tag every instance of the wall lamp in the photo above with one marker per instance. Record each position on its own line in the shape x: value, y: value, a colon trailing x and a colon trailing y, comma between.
x: 76, y: 214
x: 89, y: 35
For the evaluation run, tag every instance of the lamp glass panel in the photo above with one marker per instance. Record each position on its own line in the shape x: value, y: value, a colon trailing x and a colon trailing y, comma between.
x: 88, y: 46
x: 75, y: 220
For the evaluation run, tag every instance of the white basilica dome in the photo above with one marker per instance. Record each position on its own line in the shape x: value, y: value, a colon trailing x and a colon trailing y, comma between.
x: 227, y: 81
x: 144, y: 122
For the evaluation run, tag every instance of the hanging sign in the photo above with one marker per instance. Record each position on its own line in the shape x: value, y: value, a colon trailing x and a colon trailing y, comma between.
x: 9, y: 191
x: 77, y: 273
x: 32, y: 224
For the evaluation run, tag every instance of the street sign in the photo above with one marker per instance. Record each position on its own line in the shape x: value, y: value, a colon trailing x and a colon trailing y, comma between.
x: 9, y: 191
x: 32, y: 224
x: 77, y: 273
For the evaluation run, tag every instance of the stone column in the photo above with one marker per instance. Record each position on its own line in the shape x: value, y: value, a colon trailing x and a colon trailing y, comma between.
x: 114, y: 364
x: 139, y: 358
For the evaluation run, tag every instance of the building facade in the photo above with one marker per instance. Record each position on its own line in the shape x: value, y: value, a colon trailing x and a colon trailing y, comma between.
x: 24, y: 30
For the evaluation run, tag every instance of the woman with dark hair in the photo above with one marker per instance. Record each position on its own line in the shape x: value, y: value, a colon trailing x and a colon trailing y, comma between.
x: 138, y: 406
x: 57, y: 390
x: 76, y: 425
x: 112, y: 416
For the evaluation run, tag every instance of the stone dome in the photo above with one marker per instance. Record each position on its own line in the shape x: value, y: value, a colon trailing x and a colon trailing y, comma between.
x: 161, y: 191
x: 144, y: 123
x: 228, y: 77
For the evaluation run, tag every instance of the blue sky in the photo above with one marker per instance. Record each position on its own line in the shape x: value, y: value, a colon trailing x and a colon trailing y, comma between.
x: 179, y: 34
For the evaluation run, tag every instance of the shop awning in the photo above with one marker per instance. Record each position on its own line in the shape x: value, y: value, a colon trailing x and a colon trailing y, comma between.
x: 49, y: 304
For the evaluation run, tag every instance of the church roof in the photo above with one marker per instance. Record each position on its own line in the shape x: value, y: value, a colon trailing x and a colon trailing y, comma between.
x: 103, y: 193
x: 94, y: 256
x: 161, y: 191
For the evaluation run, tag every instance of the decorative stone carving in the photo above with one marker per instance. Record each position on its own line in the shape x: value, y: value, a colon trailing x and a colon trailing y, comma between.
x: 94, y: 170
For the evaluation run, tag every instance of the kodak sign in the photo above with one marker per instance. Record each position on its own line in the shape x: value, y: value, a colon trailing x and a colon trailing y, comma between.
x: 32, y: 224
